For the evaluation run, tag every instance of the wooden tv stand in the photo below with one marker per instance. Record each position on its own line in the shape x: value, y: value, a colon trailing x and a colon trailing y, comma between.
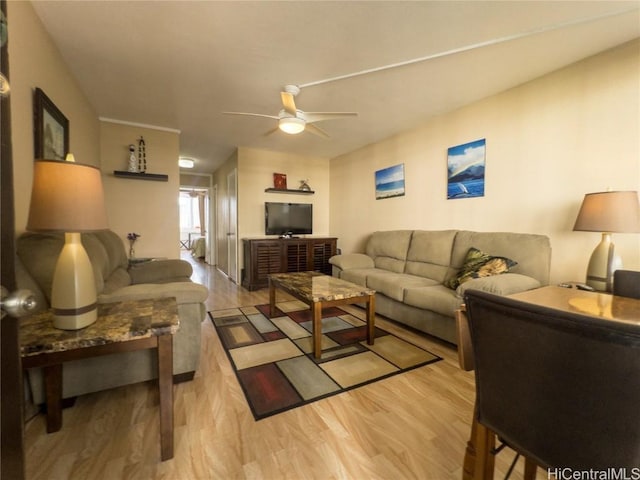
x: 263, y: 256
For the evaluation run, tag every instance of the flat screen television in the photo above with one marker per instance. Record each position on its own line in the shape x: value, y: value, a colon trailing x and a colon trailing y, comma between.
x: 288, y: 218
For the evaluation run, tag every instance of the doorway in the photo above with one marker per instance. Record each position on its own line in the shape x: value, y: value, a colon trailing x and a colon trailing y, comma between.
x: 196, y: 223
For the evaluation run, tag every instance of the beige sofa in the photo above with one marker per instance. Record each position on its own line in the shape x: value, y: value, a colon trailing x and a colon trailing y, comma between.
x: 115, y: 281
x: 409, y: 269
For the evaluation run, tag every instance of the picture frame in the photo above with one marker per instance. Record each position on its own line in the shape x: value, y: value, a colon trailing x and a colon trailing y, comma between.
x: 50, y: 128
x: 280, y: 181
x: 466, y: 169
x: 390, y: 182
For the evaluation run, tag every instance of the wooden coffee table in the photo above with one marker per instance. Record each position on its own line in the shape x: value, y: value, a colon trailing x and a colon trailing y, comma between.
x: 318, y: 290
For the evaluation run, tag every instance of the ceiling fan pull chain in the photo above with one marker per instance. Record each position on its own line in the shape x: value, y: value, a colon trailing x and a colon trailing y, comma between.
x: 142, y: 156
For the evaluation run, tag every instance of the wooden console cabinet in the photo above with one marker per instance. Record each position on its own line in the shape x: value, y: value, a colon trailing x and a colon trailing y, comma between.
x: 263, y: 256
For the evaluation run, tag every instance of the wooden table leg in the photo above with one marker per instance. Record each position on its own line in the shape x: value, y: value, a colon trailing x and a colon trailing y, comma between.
x: 53, y: 391
x: 165, y: 385
x: 469, y: 462
x: 530, y: 469
x: 317, y: 329
x: 479, y: 458
x: 371, y: 319
x: 272, y: 299
x: 485, y: 456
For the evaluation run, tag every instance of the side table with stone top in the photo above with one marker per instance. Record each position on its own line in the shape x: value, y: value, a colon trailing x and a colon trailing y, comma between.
x: 121, y: 327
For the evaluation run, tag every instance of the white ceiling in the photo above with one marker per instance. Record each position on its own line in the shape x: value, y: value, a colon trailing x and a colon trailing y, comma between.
x: 179, y: 64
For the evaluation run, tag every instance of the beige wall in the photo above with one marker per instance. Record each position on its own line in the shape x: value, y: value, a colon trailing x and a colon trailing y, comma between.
x: 548, y: 142
x: 255, y: 174
x: 195, y: 180
x: 255, y: 169
x: 35, y: 62
x: 149, y: 208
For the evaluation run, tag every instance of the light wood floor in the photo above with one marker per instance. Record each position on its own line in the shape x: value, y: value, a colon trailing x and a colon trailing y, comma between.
x: 411, y: 426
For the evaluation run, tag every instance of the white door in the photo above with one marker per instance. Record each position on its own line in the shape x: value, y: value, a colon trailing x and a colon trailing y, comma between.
x: 212, y: 235
x: 232, y: 241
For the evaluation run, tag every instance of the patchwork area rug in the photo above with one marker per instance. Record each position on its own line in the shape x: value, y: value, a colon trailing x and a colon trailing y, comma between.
x: 273, y: 357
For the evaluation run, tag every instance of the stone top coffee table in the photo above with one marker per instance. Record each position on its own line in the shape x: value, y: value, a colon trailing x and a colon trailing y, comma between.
x: 318, y: 290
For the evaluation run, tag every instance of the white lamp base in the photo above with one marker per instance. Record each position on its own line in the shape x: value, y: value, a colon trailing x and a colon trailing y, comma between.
x: 603, y: 262
x: 73, y: 293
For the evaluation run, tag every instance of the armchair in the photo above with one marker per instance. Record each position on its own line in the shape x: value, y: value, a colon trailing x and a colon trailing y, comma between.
x: 115, y: 281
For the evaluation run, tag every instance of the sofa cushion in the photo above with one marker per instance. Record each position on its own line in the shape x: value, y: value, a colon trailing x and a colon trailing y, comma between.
x: 429, y: 254
x: 389, y: 249
x: 161, y: 271
x: 532, y: 252
x: 352, y: 260
x: 184, y: 292
x: 118, y: 279
x: 393, y: 284
x: 357, y: 275
x: 39, y: 254
x: 478, y: 264
x: 437, y: 298
x: 505, y: 284
x: 114, y: 248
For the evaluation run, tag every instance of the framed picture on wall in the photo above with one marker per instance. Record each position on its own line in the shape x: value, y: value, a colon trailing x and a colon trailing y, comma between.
x: 280, y: 181
x: 390, y: 182
x: 465, y: 170
x: 51, y: 128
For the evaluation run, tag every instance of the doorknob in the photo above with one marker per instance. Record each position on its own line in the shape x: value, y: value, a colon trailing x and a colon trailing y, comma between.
x: 17, y: 304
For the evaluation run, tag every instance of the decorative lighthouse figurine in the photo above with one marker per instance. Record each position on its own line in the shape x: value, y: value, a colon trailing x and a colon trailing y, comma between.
x: 133, y: 161
x: 142, y: 156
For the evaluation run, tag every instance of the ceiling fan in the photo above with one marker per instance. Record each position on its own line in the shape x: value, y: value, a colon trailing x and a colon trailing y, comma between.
x: 292, y: 120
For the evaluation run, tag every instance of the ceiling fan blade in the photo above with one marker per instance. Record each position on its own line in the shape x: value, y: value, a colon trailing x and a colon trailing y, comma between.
x: 315, y: 130
x: 252, y: 115
x: 311, y: 117
x: 288, y: 103
x: 270, y: 132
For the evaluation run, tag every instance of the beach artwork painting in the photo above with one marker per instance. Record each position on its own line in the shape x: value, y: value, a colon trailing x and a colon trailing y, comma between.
x: 390, y: 182
x: 465, y: 170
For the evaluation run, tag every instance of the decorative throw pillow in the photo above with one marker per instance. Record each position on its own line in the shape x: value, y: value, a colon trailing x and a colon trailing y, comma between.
x: 478, y: 264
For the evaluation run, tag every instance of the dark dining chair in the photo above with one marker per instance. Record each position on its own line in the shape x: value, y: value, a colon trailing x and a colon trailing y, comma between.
x: 560, y: 388
x: 626, y: 283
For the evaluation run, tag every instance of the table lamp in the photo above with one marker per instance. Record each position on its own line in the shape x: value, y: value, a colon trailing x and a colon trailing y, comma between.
x: 607, y: 212
x: 68, y: 197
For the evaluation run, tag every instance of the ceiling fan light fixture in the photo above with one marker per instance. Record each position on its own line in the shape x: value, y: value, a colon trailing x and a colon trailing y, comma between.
x: 291, y: 125
x: 185, y: 162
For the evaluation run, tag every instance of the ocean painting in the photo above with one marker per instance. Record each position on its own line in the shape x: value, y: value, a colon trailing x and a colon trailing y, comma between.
x: 390, y: 182
x: 465, y: 170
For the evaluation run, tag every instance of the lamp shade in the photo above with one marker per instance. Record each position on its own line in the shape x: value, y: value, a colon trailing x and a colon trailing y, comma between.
x: 609, y: 212
x: 66, y: 197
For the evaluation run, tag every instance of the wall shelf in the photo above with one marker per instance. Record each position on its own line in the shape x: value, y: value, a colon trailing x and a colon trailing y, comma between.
x: 286, y: 190
x: 158, y: 177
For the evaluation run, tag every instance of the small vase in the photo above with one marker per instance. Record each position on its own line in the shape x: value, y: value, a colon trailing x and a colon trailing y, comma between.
x: 133, y: 161
x: 132, y: 252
